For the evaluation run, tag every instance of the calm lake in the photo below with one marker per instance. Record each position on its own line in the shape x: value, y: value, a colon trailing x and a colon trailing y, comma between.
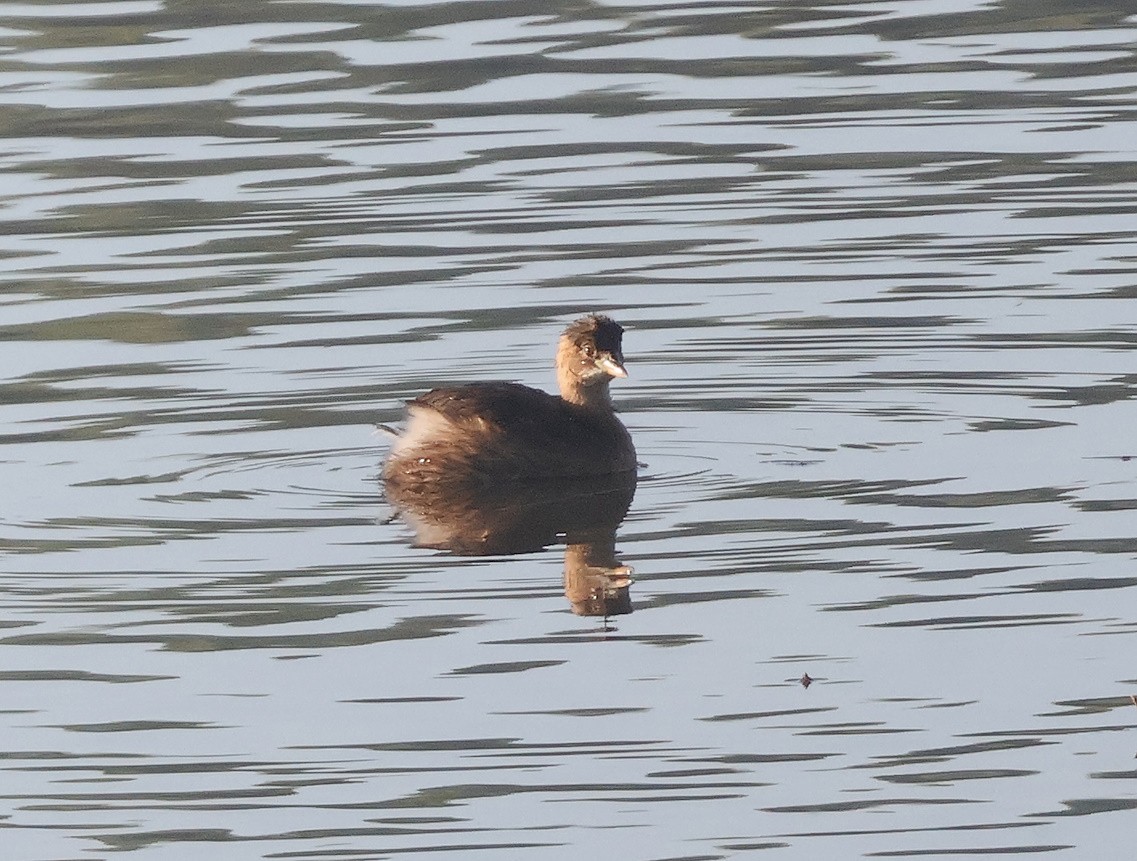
x: 877, y: 264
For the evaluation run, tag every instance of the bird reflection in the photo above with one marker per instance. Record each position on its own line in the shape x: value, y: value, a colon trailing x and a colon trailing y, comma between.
x: 525, y: 517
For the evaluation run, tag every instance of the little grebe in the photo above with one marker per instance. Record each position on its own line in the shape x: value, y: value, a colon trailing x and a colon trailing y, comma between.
x: 485, y: 433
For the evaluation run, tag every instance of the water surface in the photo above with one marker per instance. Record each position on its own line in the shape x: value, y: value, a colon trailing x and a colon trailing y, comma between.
x: 876, y: 263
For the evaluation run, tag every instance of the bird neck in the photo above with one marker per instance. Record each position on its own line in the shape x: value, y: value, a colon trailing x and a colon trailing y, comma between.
x: 594, y: 397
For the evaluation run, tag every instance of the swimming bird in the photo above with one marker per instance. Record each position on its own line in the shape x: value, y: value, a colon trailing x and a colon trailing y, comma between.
x: 496, y: 432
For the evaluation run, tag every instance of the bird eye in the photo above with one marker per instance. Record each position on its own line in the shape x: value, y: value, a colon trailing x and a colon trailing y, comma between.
x: 589, y: 351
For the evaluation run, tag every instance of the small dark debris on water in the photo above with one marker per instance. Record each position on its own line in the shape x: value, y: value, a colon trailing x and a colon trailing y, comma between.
x: 806, y: 681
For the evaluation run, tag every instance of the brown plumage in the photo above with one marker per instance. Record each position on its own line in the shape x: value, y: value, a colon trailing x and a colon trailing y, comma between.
x: 504, y: 432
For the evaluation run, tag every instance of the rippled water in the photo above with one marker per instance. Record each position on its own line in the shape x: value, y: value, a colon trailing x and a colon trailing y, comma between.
x: 877, y: 265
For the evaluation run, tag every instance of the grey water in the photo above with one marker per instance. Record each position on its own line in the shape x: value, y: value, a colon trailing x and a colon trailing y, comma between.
x: 877, y: 264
